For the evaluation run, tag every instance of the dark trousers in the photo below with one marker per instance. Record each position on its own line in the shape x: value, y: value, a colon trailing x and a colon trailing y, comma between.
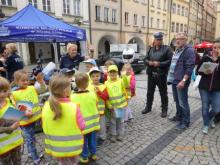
x: 89, y: 146
x: 161, y: 82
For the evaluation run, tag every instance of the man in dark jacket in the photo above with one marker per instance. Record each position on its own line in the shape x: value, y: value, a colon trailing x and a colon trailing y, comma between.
x: 158, y: 61
x: 179, y: 76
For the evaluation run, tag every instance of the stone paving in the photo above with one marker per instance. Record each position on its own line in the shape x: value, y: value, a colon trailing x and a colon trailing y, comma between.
x: 153, y: 140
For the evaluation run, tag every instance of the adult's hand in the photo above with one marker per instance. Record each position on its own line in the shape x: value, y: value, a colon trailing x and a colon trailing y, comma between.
x: 156, y: 63
x: 180, y: 85
x: 151, y: 63
x: 207, y: 72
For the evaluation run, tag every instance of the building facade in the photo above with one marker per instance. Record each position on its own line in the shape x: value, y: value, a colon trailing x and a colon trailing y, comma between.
x: 73, y: 12
x: 217, y: 31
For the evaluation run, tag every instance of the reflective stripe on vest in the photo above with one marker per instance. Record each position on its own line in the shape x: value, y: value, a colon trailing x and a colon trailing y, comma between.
x: 10, y: 141
x: 63, y: 149
x: 91, y: 117
x: 64, y: 138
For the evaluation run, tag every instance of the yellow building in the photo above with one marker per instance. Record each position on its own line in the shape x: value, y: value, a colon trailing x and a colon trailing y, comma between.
x: 134, y: 23
x: 179, y: 17
x: 193, y: 17
x: 158, y: 18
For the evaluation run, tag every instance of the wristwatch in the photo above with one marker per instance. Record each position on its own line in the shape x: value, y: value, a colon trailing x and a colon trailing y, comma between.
x: 184, y: 80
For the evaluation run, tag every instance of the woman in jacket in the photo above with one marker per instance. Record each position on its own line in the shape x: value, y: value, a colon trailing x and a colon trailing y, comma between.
x: 209, y: 88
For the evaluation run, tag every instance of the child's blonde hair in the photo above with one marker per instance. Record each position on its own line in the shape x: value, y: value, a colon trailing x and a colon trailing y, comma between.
x: 19, y: 74
x: 4, y: 84
x: 109, y: 62
x: 12, y: 47
x: 82, y: 80
x: 57, y: 85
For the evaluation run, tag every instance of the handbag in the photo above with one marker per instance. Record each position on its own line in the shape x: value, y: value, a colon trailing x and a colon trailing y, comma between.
x: 196, y: 82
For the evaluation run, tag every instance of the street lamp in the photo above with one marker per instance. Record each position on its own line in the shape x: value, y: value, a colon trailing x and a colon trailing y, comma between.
x: 2, y: 15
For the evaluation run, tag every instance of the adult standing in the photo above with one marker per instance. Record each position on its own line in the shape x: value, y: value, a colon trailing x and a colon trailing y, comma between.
x: 13, y: 61
x: 209, y: 88
x: 2, y: 62
x: 72, y: 58
x: 158, y: 61
x: 179, y: 76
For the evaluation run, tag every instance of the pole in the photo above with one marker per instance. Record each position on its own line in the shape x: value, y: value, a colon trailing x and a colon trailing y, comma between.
x: 90, y: 22
x: 171, y: 2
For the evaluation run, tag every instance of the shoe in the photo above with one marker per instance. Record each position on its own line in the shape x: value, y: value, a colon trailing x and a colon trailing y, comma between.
x: 83, y: 160
x: 37, y: 162
x: 145, y: 111
x: 175, y: 119
x: 113, y: 139
x: 212, y: 123
x: 41, y: 155
x: 181, y: 126
x: 29, y: 155
x: 164, y: 114
x: 119, y: 138
x: 205, y: 129
x: 94, y: 157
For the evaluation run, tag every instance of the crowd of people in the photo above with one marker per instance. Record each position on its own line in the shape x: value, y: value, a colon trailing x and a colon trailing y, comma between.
x: 76, y: 118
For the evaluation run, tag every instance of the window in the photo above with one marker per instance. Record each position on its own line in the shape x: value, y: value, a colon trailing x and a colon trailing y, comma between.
x: 174, y: 8
x: 106, y: 14
x: 151, y: 22
x: 178, y: 9
x: 7, y: 2
x: 97, y: 13
x: 143, y: 21
x: 165, y: 5
x: 135, y: 19
x: 66, y: 6
x: 33, y: 2
x: 152, y: 3
x: 114, y: 15
x: 126, y: 18
x: 164, y: 24
x: 181, y: 27
x: 177, y: 27
x: 173, y: 27
x: 77, y: 7
x: 185, y: 28
x: 46, y: 5
x: 158, y: 4
x: 183, y: 10
x: 158, y: 23
x: 186, y: 12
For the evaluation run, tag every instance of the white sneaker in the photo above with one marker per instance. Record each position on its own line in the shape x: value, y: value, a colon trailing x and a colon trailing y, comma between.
x: 205, y: 129
x: 212, y: 123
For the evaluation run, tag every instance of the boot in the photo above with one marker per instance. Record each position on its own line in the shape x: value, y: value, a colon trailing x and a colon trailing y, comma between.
x: 164, y: 114
x: 146, y: 110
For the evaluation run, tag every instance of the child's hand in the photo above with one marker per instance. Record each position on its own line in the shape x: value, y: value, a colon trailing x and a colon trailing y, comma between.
x: 28, y: 113
x: 15, y: 126
x: 40, y: 78
x: 22, y: 107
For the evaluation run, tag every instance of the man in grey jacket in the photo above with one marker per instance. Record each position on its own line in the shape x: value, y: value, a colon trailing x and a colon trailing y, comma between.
x: 158, y: 61
x: 179, y: 76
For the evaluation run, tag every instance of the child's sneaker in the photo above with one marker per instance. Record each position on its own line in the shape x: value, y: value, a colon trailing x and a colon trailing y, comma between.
x: 120, y: 138
x: 94, y: 157
x: 83, y: 160
x: 37, y: 162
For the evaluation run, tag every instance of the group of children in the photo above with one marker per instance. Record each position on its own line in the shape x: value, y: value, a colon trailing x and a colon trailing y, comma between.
x: 72, y: 121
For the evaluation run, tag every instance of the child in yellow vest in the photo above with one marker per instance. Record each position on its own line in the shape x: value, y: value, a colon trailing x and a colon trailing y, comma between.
x: 10, y: 134
x: 101, y: 93
x: 128, y: 78
x: 117, y: 102
x: 26, y: 99
x: 88, y: 106
x: 62, y: 123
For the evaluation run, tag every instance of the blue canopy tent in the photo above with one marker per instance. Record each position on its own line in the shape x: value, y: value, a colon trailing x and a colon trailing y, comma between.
x: 33, y: 25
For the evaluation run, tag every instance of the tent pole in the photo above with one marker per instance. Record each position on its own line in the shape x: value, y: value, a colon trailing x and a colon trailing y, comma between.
x: 55, y: 52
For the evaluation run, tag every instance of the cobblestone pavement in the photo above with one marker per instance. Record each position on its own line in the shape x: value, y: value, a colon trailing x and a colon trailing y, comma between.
x: 153, y: 140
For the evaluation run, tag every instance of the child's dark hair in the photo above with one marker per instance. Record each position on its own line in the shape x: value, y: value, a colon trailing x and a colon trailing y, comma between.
x: 57, y: 85
x: 82, y: 80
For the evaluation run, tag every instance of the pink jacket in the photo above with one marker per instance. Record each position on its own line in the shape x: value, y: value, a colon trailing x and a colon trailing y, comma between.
x: 132, y: 84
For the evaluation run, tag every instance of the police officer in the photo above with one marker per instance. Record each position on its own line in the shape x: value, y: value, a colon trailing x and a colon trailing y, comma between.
x: 158, y: 60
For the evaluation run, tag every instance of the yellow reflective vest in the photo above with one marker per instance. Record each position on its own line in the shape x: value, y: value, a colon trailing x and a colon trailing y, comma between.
x: 28, y: 94
x: 127, y: 80
x: 88, y: 107
x: 63, y: 137
x: 101, y: 102
x: 116, y: 92
x: 12, y: 140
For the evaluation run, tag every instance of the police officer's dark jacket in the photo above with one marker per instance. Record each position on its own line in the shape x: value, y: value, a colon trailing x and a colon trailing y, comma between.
x: 163, y: 55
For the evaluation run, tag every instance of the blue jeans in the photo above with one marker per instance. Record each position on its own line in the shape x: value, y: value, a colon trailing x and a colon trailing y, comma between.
x: 89, y: 145
x: 209, y: 99
x: 182, y: 105
x: 28, y: 133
